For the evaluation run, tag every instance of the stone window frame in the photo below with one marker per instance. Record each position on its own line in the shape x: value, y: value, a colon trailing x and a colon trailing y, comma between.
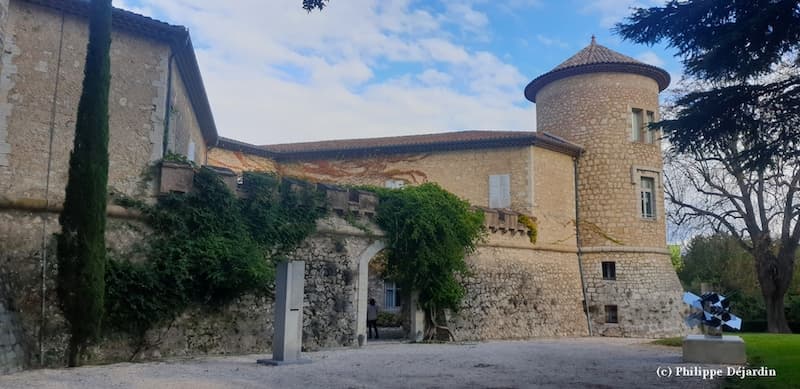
x: 643, y: 135
x: 637, y: 173
x: 611, y: 314
x: 609, y: 272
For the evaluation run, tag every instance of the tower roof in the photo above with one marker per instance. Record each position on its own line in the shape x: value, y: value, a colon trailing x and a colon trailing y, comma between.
x: 597, y: 58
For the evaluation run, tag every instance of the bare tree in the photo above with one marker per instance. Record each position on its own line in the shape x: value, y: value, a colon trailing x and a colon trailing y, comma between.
x: 759, y: 206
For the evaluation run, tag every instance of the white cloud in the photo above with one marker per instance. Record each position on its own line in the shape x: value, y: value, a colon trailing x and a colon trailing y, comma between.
x: 548, y: 41
x: 275, y: 73
x: 434, y: 77
x: 650, y: 58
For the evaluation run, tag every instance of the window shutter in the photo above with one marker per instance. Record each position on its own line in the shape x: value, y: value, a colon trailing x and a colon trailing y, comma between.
x: 500, y: 191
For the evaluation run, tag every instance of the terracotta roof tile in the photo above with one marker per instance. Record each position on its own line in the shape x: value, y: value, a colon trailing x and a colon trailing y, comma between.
x: 597, y: 58
x: 458, y: 140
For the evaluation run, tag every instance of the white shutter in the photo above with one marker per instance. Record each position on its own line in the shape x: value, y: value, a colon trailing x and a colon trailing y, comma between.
x: 190, y: 152
x: 500, y: 191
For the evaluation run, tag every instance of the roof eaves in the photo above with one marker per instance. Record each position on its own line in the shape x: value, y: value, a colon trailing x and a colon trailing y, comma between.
x: 660, y: 76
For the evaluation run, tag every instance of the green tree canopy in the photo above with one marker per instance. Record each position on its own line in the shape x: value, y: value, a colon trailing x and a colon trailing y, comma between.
x: 735, y: 138
x: 81, y: 243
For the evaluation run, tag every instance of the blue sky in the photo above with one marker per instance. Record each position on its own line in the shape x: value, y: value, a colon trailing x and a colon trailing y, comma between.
x: 365, y: 68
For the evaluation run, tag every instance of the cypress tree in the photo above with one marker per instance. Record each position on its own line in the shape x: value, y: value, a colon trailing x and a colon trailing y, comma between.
x: 81, y: 243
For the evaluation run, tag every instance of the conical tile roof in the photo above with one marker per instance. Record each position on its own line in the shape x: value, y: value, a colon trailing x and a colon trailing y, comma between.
x: 597, y: 58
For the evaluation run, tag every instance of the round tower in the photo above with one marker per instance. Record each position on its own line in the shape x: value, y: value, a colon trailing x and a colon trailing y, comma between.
x: 603, y: 101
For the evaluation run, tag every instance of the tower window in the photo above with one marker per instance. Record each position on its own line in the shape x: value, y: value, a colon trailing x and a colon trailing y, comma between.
x: 609, y: 270
x: 637, y: 121
x: 640, y: 132
x: 611, y: 314
x: 647, y: 187
x: 649, y: 135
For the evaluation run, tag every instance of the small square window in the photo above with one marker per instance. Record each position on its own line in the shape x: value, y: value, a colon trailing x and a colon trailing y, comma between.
x: 609, y: 270
x: 611, y: 314
x: 394, y: 184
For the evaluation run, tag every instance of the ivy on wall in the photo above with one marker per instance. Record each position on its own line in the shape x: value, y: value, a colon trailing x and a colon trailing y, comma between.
x: 208, y: 247
x: 429, y: 232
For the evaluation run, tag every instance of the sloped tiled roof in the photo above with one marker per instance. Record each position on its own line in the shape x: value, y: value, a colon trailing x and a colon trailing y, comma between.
x: 459, y: 140
x: 593, y: 59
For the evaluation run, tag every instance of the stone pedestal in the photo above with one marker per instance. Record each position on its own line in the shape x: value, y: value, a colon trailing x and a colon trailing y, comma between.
x: 288, y: 336
x: 727, y: 349
x: 416, y: 332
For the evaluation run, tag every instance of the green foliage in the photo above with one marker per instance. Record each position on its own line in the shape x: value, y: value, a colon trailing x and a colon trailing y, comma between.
x: 389, y: 319
x: 81, y: 243
x: 721, y: 261
x: 178, y: 158
x: 208, y: 247
x: 310, y: 5
x: 675, y: 257
x: 429, y: 231
x: 533, y: 228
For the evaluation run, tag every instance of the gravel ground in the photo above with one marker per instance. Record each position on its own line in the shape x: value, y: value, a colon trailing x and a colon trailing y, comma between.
x: 540, y: 363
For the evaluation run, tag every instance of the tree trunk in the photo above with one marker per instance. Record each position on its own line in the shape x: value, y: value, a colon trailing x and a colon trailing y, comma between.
x: 776, y: 316
x: 774, y: 276
x: 73, y: 350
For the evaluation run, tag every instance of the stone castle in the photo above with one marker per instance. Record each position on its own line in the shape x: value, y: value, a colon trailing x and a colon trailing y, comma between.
x: 590, y: 175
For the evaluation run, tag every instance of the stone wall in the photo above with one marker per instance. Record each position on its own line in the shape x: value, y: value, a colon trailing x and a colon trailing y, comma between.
x: 609, y: 192
x: 518, y: 292
x: 242, y: 327
x: 240, y: 162
x: 12, y: 353
x: 465, y: 173
x: 184, y: 130
x: 646, y: 292
x: 44, y: 48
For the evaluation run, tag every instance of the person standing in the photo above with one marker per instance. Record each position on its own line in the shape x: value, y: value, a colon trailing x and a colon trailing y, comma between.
x: 372, y: 319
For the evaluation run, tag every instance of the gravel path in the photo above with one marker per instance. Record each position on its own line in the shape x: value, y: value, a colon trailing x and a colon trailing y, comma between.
x: 540, y: 363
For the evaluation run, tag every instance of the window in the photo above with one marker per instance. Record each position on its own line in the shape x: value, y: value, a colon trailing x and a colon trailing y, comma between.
x: 500, y: 191
x: 650, y: 135
x: 391, y: 293
x: 395, y: 184
x: 611, y: 314
x: 647, y: 186
x: 190, y: 151
x: 637, y: 121
x: 640, y: 132
x: 609, y: 270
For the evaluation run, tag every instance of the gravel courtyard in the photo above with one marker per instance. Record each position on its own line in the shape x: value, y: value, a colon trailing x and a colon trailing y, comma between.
x: 541, y: 363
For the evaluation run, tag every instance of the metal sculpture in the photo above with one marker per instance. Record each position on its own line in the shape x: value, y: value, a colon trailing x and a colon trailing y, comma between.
x: 713, y: 310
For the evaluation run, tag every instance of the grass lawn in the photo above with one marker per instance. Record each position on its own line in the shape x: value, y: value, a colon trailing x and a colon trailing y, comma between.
x: 774, y: 351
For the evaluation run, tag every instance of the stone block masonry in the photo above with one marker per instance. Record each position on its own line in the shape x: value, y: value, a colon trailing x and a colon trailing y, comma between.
x: 519, y: 293
x: 12, y: 354
x: 645, y: 291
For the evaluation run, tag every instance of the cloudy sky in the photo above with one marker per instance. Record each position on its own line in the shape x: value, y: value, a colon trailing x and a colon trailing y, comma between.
x: 363, y: 68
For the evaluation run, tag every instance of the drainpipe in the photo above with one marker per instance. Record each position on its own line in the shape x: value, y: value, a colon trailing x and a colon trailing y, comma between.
x: 165, y: 141
x: 46, y: 214
x: 578, y: 242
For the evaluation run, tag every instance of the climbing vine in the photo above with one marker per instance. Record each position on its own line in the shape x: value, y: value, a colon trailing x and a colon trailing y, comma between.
x: 209, y: 247
x: 429, y: 232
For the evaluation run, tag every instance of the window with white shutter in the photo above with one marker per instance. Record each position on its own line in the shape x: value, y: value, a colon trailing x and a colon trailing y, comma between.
x: 500, y: 191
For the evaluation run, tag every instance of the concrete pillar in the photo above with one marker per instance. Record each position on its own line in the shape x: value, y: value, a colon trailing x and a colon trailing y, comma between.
x: 288, y: 328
